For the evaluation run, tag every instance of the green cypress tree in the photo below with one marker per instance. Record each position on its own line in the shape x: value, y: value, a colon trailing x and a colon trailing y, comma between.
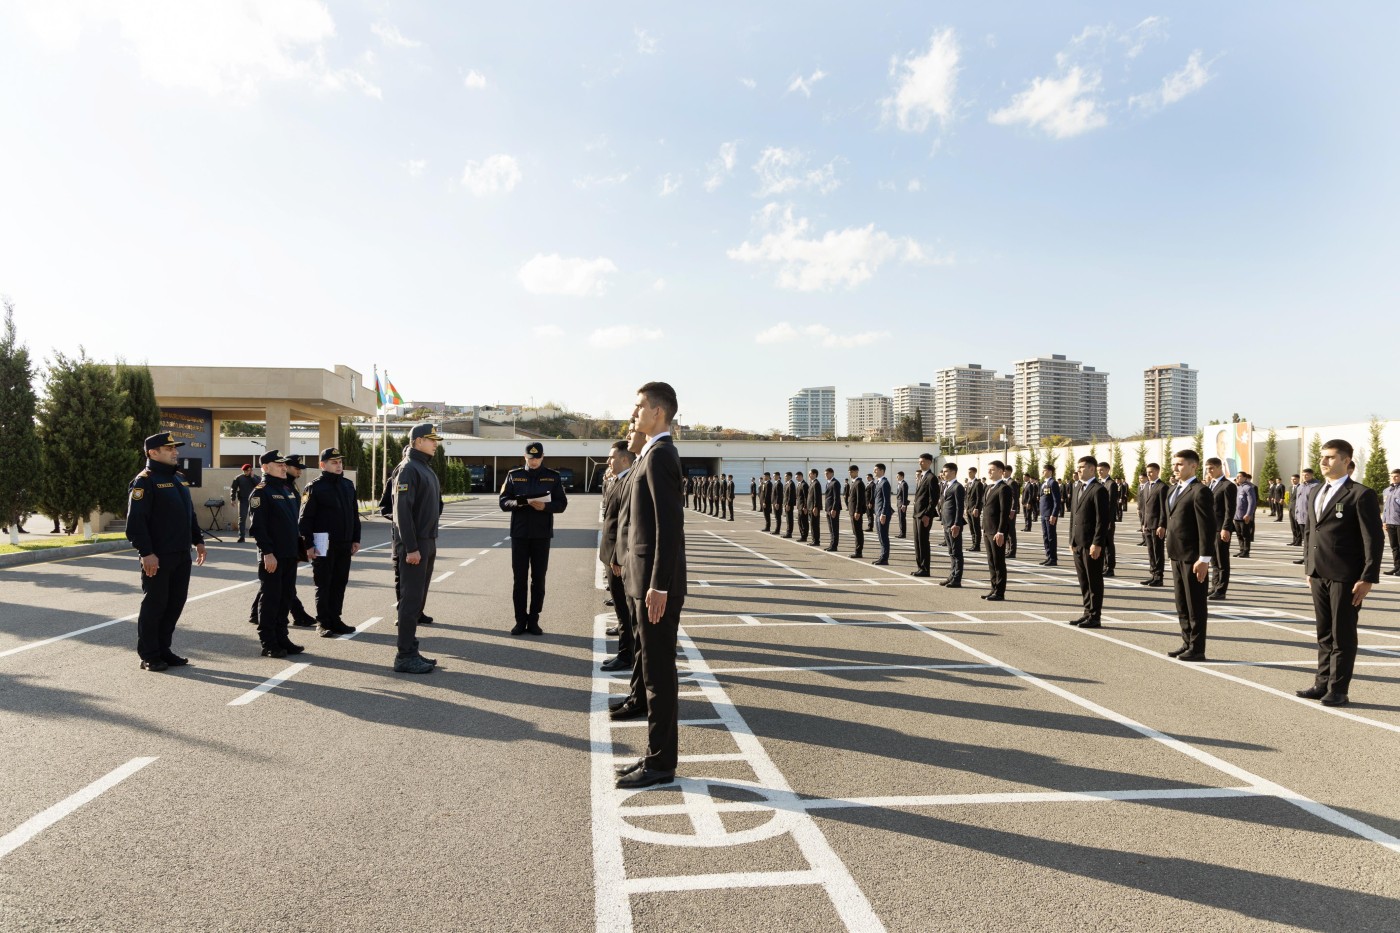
x: 1200, y: 442
x: 1315, y: 456
x: 1020, y: 466
x: 141, y: 407
x: 19, y: 444
x: 85, y: 436
x: 439, y: 466
x: 1116, y: 467
x: 1269, y: 471
x: 1377, y: 470
x: 1070, y: 465
x: 1141, y: 467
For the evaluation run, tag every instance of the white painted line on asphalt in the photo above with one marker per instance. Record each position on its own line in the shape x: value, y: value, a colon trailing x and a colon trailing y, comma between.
x: 776, y: 563
x: 749, y: 620
x: 1322, y: 811
x: 93, y: 628
x: 443, y: 576
x: 466, y: 562
x: 756, y: 879
x: 850, y: 667
x: 268, y: 684
x: 827, y: 620
x: 360, y: 628
x: 498, y: 544
x: 683, y: 722
x: 482, y: 551
x: 41, y: 821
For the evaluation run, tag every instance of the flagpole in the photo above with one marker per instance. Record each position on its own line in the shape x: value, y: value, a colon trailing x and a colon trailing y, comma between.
x: 384, y: 480
x: 374, y: 443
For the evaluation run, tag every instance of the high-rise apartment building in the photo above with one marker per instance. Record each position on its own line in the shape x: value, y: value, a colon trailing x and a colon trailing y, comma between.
x: 870, y: 415
x: 970, y: 398
x: 1059, y: 396
x: 812, y: 412
x: 916, y: 396
x: 1169, y: 401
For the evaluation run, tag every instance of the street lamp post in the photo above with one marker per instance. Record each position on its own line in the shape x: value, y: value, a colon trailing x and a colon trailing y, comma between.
x: 987, y: 433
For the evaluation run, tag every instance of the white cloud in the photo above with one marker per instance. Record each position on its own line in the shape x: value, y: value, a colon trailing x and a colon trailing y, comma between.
x: 474, y: 80
x: 659, y: 285
x: 782, y: 170
x: 622, y: 335
x: 414, y: 167
x: 783, y: 332
x: 646, y: 43
x: 1062, y: 107
x: 584, y: 182
x: 495, y: 174
x: 723, y: 165
x: 670, y: 184
x: 390, y: 35
x: 914, y: 185
x: 749, y: 83
x: 926, y: 85
x: 551, y: 331
x: 225, y: 50
x: 1137, y: 38
x: 559, y: 275
x: 838, y: 257
x: 1191, y: 78
x: 804, y: 85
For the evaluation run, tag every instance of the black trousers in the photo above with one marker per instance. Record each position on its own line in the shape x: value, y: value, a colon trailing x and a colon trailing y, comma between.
x: 955, y: 555
x: 1245, y: 532
x: 1393, y: 533
x: 767, y: 518
x: 1336, y: 632
x: 731, y: 509
x: 1220, y: 567
x: 923, y: 555
x: 658, y: 667
x: 1050, y: 534
x: 1190, y: 606
x: 996, y: 564
x: 1297, y: 528
x: 162, y: 600
x: 1110, y: 550
x: 242, y: 518
x: 815, y: 523
x: 974, y: 526
x: 882, y: 534
x: 870, y: 520
x: 626, y: 638
x: 754, y: 496
x: 293, y: 605
x: 903, y: 527
x: 833, y: 525
x: 529, y: 560
x: 1011, y: 537
x: 1156, y: 554
x: 414, y: 580
x: 858, y: 529
x: 1090, y: 570
x: 276, y: 591
x: 331, y: 574
x: 802, y: 524
x: 788, y: 512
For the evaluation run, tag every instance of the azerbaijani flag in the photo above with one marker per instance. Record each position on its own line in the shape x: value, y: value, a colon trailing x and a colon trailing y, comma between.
x: 378, y: 389
x: 394, y: 397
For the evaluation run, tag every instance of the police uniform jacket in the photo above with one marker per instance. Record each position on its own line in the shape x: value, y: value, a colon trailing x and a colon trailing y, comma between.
x: 273, y: 524
x: 331, y: 506
x: 242, y: 487
x: 1050, y: 500
x: 159, y: 512
x: 417, y: 501
x: 523, y: 484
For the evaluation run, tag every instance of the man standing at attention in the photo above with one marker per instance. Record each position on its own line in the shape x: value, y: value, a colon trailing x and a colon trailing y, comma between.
x: 1191, y: 535
x: 1223, y: 497
x: 1390, y: 515
x: 1152, y: 504
x: 161, y: 525
x: 417, y: 507
x: 241, y: 490
x: 1049, y: 515
x: 655, y: 580
x: 901, y: 501
x: 832, y: 503
x: 855, y: 507
x: 620, y: 461
x: 533, y: 495
x: 998, y: 520
x: 330, y: 507
x: 882, y: 509
x: 953, y: 517
x: 1090, y: 525
x: 975, y: 493
x: 925, y: 512
x: 813, y: 506
x: 1246, y: 510
x: 1343, y: 545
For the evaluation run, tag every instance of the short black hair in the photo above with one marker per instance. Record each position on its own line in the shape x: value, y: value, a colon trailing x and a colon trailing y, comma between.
x: 831, y: 471
x: 1340, y: 446
x: 1296, y: 476
x: 1307, y: 469
x: 925, y: 456
x: 1154, y: 466
x: 1214, y: 461
x: 899, y: 473
x: 619, y: 445
x: 1104, y: 464
x: 661, y: 395
x: 1189, y: 455
x: 879, y: 466
x: 854, y: 468
x: 951, y: 466
x: 1048, y: 468
x: 1092, y: 461
x: 998, y: 464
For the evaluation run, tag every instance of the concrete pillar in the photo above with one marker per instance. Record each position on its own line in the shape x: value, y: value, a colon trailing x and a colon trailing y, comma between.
x: 216, y: 431
x: 330, y: 434
x: 279, y: 427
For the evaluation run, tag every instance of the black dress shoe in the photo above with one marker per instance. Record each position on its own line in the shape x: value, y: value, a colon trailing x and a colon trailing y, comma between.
x: 425, y: 620
x: 293, y: 649
x: 304, y: 622
x: 274, y: 652
x: 239, y: 541
x: 1052, y: 563
x: 534, y: 629
x: 1192, y: 656
x: 1090, y: 623
x: 879, y: 563
x: 1335, y: 699
x: 618, y: 662
x: 519, y: 628
x: 1150, y: 581
x: 174, y: 660
x: 253, y: 621
x: 829, y: 550
x: 618, y: 702
x: 627, y: 711
x: 645, y: 777
x: 1077, y: 621
x: 953, y: 584
x: 919, y: 573
x: 856, y: 555
x: 611, y: 631
x: 1299, y: 561
x: 1215, y: 597
x: 994, y: 597
x: 624, y: 770
x: 609, y: 602
x: 156, y: 665
x: 1312, y: 693
x: 1178, y: 652
x: 1108, y: 573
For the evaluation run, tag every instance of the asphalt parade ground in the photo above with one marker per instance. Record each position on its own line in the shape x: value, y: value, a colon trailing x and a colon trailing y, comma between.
x: 860, y: 750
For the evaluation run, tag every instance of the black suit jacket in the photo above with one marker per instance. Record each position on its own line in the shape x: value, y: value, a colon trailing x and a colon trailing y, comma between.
x: 975, y: 493
x: 789, y: 495
x: 1346, y: 548
x: 1091, y: 515
x: 814, y: 496
x: 765, y: 496
x: 654, y: 554
x: 1191, y: 528
x: 951, y: 510
x: 832, y: 493
x: 1223, y: 497
x: 612, y: 506
x: 926, y: 495
x: 855, y: 497
x: 998, y: 509
x: 901, y: 493
x: 1152, y: 505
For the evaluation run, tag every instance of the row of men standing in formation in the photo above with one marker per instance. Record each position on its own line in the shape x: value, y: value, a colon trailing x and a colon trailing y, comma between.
x: 713, y: 495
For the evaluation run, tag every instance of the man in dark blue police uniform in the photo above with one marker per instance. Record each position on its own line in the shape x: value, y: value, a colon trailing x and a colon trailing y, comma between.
x: 241, y: 490
x: 300, y: 617
x: 161, y: 525
x: 532, y: 495
x: 273, y: 525
x: 331, y: 507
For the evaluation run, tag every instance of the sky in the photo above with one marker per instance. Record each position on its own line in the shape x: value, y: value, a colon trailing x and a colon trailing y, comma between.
x: 507, y: 203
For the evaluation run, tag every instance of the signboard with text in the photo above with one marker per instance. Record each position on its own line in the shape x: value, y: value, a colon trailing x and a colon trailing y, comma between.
x: 193, y: 426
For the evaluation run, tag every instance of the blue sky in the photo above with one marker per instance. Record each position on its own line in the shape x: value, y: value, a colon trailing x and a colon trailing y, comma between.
x: 559, y: 201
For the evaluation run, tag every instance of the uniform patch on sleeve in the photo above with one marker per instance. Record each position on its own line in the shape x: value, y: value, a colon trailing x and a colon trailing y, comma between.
x: 137, y: 494
x: 403, y: 487
x: 254, y: 502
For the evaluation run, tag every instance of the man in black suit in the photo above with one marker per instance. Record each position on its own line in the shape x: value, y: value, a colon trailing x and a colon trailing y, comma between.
x: 729, y: 495
x: 753, y: 493
x: 952, y: 515
x: 881, y: 507
x: 1223, y: 497
x: 765, y: 501
x: 1051, y: 508
x: 856, y: 505
x: 901, y: 501
x: 975, y: 492
x: 812, y: 508
x: 925, y: 512
x: 1090, y: 526
x: 1343, y: 545
x: 655, y: 579
x: 620, y: 461
x: 1191, y: 534
x: 1152, y: 514
x: 831, y: 504
x: 869, y: 498
x: 1030, y: 498
x: 1110, y: 548
x: 998, y: 522
x: 789, y: 501
x: 1010, y: 480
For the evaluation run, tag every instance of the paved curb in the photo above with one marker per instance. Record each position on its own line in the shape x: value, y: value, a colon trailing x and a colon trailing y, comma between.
x: 44, y: 555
